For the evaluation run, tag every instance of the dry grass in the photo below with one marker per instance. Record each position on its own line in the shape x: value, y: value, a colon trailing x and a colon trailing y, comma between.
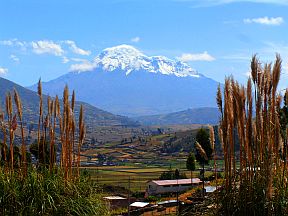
x: 49, y: 120
x: 255, y: 188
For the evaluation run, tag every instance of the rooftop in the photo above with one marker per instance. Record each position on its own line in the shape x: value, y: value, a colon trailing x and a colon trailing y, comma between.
x: 114, y: 198
x: 166, y: 202
x: 177, y: 181
x: 210, y: 189
x: 139, y: 204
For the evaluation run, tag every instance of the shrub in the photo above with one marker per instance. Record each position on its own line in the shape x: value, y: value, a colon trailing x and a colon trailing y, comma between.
x: 45, y: 194
x: 47, y: 189
x: 152, y: 199
x: 170, y: 175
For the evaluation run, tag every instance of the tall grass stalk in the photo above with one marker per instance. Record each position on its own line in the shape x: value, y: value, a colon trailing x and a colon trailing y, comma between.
x: 46, y: 189
x: 257, y: 186
x: 23, y: 146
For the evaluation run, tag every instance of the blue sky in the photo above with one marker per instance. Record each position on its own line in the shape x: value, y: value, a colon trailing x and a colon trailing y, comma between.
x: 216, y: 37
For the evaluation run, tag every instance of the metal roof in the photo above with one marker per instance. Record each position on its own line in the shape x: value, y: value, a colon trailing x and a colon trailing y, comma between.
x: 210, y: 189
x: 114, y: 198
x: 166, y: 202
x: 139, y: 204
x: 177, y: 181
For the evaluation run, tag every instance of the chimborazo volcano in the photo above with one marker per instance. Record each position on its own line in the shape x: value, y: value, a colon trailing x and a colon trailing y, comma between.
x: 123, y: 80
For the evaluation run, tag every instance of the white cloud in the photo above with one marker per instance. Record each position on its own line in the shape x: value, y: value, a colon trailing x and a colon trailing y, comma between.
x: 265, y: 20
x: 76, y: 49
x: 84, y: 66
x: 14, y: 58
x: 65, y: 60
x: 79, y: 60
x: 209, y: 3
x: 135, y: 39
x: 45, y: 46
x: 3, y: 71
x: 186, y: 57
x: 6, y: 42
x: 14, y: 43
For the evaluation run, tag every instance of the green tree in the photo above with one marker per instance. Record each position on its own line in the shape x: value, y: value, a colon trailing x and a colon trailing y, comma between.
x: 203, y: 151
x: 170, y: 175
x: 177, y: 174
x: 283, y: 119
x: 190, y: 163
x: 202, y: 137
x: 39, y: 154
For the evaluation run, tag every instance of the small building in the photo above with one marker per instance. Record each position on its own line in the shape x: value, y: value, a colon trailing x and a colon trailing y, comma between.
x: 139, y: 205
x: 115, y: 202
x: 210, y: 189
x: 139, y: 208
x: 156, y: 187
x: 168, y: 203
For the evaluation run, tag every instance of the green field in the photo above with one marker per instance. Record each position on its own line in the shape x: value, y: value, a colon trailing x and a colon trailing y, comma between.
x: 142, y: 159
x: 120, y: 175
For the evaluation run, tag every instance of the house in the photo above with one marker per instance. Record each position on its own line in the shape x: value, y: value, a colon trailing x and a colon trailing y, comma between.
x: 139, y: 208
x: 139, y: 205
x: 210, y: 189
x: 168, y: 203
x: 156, y: 187
x: 115, y: 202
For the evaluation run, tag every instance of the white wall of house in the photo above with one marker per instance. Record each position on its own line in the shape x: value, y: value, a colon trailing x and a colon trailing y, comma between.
x: 154, y: 189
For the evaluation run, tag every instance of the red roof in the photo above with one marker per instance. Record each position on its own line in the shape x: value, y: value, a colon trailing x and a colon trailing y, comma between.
x: 176, y: 182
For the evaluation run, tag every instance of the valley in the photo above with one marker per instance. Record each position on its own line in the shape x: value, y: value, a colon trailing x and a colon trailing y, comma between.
x: 144, y: 108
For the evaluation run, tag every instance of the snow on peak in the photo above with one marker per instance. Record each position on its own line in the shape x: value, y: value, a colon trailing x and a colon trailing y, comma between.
x: 123, y: 49
x: 123, y: 56
x: 128, y: 59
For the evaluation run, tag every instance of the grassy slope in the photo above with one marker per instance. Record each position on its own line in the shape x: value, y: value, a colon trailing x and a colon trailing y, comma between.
x: 95, y: 119
x: 30, y: 100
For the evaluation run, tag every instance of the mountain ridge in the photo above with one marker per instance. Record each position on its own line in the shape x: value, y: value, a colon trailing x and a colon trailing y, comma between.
x: 127, y: 58
x: 131, y: 84
x: 30, y: 101
x: 204, y: 115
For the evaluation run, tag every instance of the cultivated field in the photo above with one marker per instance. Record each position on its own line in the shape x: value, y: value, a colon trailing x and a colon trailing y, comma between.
x: 120, y: 175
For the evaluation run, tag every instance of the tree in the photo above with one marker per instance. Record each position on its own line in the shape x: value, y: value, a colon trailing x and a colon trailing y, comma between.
x: 34, y: 150
x: 202, y: 137
x: 203, y: 151
x: 177, y: 174
x: 170, y: 175
x: 190, y: 163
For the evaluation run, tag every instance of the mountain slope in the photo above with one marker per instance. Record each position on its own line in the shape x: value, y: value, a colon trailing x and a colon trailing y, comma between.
x: 93, y: 116
x: 206, y: 115
x: 125, y: 81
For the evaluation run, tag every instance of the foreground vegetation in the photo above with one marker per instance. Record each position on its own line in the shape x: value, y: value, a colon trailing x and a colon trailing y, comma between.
x: 45, y: 194
x: 50, y: 185
x: 254, y: 149
x: 259, y: 186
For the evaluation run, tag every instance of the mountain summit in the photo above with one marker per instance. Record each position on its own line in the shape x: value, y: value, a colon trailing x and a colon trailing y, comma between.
x: 128, y: 59
x: 123, y: 80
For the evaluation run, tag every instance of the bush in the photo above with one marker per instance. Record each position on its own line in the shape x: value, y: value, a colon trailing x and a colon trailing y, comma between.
x: 170, y: 175
x: 151, y: 199
x: 212, y: 177
x: 45, y: 194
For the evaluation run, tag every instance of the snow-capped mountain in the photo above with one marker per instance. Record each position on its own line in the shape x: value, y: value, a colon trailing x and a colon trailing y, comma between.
x: 124, y: 81
x: 128, y: 59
